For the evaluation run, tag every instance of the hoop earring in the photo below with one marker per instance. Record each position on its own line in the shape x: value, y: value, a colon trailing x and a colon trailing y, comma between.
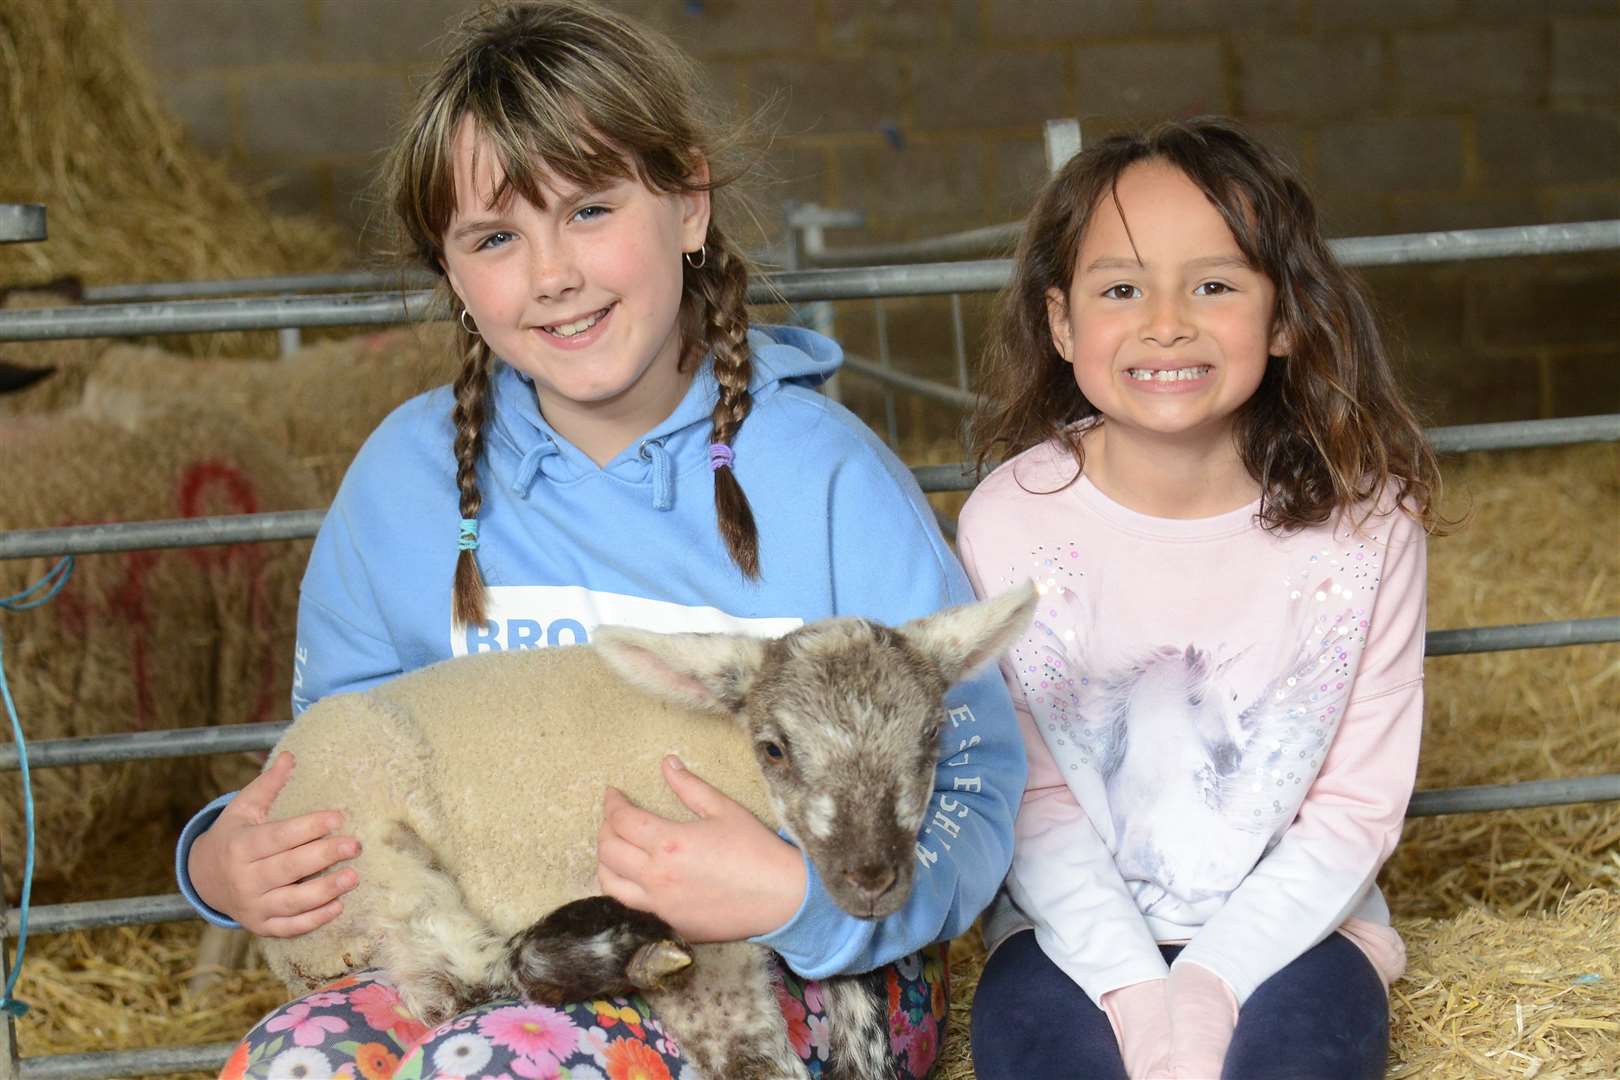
x: 473, y: 330
x: 701, y: 260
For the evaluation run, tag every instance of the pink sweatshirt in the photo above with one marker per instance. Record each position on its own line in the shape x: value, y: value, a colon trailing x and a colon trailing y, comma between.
x: 1222, y: 726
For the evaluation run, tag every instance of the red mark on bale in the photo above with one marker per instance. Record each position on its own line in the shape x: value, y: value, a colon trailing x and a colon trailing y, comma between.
x: 214, y: 487
x: 129, y: 600
x: 205, y: 488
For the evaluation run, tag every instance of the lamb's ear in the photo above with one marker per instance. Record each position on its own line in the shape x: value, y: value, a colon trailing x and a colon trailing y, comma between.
x: 712, y: 672
x: 961, y: 640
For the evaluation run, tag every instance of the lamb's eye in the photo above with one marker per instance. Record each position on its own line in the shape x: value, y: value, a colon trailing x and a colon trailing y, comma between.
x: 774, y: 752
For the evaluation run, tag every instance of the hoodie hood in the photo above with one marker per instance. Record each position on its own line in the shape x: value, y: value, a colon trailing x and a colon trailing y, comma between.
x: 524, y: 448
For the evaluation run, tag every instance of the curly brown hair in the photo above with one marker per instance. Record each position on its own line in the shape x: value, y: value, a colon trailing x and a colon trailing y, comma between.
x: 567, y: 89
x: 1327, y: 429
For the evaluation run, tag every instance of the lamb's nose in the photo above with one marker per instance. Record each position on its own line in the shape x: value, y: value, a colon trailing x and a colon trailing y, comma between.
x: 873, y: 880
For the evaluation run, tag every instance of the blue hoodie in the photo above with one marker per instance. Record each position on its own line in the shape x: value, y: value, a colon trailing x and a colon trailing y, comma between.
x: 566, y: 546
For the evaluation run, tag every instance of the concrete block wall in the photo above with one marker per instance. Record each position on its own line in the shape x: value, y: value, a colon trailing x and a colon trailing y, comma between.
x: 1405, y: 115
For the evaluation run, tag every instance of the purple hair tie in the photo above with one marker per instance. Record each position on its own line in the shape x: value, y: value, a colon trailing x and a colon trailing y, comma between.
x: 719, y: 456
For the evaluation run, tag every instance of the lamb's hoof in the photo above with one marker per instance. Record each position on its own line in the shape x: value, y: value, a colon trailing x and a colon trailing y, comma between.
x: 657, y: 963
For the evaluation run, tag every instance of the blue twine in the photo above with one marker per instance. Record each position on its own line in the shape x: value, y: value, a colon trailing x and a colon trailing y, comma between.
x: 469, y: 535
x: 36, y: 595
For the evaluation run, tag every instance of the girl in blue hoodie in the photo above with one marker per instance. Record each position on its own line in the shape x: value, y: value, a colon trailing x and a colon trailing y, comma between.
x: 621, y: 446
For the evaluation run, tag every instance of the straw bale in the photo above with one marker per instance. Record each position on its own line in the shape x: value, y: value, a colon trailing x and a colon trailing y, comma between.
x: 1531, y: 995
x: 319, y: 403
x: 127, y: 198
x: 127, y: 988
x: 1539, y: 545
x: 140, y: 640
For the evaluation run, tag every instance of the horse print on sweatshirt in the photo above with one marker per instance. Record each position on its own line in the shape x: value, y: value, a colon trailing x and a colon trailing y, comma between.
x: 1201, y: 750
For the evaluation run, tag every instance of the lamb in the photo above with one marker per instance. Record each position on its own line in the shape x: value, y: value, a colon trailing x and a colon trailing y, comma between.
x: 474, y: 787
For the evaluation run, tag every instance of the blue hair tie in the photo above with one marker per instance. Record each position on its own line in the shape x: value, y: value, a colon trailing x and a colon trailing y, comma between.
x: 719, y: 456
x: 469, y: 535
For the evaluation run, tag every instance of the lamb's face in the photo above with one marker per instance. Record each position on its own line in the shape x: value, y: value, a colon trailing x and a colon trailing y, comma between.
x: 845, y: 720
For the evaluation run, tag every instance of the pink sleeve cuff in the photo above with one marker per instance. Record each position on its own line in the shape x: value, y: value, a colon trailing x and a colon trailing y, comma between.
x: 1197, y: 984
x: 1140, y: 1016
x: 1203, y: 1014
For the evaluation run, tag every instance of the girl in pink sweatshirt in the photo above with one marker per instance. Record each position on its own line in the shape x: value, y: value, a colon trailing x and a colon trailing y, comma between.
x: 1223, y: 500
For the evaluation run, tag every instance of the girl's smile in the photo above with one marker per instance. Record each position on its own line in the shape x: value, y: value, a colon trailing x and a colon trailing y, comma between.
x: 1170, y: 379
x: 576, y: 333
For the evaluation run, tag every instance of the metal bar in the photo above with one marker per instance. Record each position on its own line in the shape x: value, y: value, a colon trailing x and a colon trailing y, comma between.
x: 1389, y: 250
x: 10, y: 1059
x: 848, y: 282
x: 1062, y: 139
x: 301, y: 524
x: 342, y: 281
x: 363, y: 280
x: 367, y: 309
x: 1479, y: 639
x: 945, y: 395
x: 95, y: 914
x: 22, y: 223
x: 116, y: 1063
x: 987, y: 240
x: 806, y: 233
x: 172, y: 533
x: 927, y: 279
x: 208, y: 316
x: 1523, y: 434
x: 959, y: 343
x: 1520, y: 796
x: 890, y: 422
x: 1462, y: 244
x: 143, y: 745
x: 957, y: 476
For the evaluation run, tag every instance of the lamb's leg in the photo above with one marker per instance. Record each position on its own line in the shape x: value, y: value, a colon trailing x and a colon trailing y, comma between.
x: 219, y: 952
x: 593, y: 948
x: 726, y: 1018
x: 857, y: 1026
x: 441, y: 957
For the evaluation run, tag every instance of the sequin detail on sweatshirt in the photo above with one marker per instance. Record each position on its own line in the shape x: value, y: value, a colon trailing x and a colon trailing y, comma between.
x: 1202, y: 758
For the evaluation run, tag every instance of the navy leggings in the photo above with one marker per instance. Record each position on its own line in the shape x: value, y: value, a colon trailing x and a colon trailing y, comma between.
x: 1323, y: 1017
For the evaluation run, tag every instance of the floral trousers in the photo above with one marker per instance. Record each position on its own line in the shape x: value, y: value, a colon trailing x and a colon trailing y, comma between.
x: 356, y: 1028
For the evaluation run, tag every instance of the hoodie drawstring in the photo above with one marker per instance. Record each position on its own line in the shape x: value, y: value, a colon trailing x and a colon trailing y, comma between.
x: 529, y: 467
x: 652, y: 451
x: 663, y: 482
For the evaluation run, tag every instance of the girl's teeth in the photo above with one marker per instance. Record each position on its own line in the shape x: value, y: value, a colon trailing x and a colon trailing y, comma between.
x: 1169, y: 374
x: 567, y: 330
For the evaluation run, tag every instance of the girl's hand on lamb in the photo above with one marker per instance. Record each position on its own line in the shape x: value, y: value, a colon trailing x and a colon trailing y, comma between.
x: 255, y: 871
x: 724, y: 877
